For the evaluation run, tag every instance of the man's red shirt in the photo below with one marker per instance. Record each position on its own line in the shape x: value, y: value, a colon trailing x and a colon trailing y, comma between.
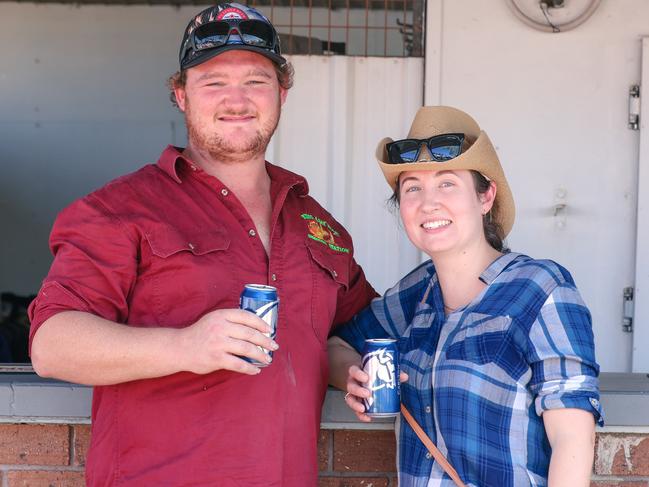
x: 163, y: 246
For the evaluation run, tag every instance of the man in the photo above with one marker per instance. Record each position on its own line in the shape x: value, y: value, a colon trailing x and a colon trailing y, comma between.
x: 141, y: 300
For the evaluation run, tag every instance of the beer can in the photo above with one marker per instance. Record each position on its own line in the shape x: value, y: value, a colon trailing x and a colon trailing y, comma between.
x: 261, y: 300
x: 381, y: 363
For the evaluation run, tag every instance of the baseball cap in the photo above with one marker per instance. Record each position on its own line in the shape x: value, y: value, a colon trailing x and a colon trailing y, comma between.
x: 225, y: 27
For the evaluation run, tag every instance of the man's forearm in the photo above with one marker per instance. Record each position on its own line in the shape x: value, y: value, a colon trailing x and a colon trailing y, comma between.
x: 86, y: 349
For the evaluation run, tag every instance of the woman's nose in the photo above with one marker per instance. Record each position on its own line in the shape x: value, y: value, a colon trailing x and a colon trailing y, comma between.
x: 430, y: 199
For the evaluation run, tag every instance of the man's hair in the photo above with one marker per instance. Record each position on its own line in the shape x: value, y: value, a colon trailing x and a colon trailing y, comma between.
x: 285, y: 74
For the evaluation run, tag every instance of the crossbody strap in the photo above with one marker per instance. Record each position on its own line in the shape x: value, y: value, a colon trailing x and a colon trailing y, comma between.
x: 437, y: 455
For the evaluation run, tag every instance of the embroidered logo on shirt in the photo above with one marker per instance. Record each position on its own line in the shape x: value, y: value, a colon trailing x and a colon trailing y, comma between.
x: 321, y: 231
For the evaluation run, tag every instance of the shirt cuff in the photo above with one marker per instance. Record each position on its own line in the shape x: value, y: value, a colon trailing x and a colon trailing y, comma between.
x: 53, y: 298
x: 347, y: 334
x: 585, y: 400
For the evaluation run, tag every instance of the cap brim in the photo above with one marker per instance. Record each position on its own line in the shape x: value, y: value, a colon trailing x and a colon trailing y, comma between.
x: 208, y: 54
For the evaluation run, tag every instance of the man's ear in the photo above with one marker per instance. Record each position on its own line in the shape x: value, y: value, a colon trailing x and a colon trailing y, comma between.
x: 180, y: 94
x: 283, y: 93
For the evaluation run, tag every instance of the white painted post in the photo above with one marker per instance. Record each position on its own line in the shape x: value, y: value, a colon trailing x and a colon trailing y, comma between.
x: 641, y: 297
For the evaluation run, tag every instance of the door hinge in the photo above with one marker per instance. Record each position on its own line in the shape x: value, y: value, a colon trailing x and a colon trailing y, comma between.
x: 627, y: 309
x: 634, y: 107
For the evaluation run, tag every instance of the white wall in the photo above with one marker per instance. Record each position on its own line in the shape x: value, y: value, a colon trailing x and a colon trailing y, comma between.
x: 555, y: 106
x: 338, y: 110
x: 82, y: 100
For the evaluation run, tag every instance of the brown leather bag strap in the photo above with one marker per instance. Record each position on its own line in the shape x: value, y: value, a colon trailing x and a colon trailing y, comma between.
x: 437, y: 455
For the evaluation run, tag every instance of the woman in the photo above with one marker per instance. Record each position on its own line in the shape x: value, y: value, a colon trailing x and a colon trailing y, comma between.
x: 497, y: 346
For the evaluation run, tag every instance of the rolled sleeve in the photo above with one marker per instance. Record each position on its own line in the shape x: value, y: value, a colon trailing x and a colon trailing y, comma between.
x: 576, y: 392
x: 94, y: 267
x: 363, y: 326
x: 388, y: 316
x: 562, y: 355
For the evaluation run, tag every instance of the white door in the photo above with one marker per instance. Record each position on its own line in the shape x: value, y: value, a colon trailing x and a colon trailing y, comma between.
x: 641, y: 292
x: 556, y: 108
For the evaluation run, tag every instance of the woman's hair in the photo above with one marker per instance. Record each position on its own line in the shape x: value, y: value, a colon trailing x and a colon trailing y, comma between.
x: 493, y: 231
x: 285, y: 74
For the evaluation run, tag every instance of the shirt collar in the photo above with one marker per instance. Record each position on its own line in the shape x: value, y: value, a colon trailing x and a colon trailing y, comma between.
x: 281, y: 177
x: 285, y: 178
x: 168, y: 160
x: 494, y: 269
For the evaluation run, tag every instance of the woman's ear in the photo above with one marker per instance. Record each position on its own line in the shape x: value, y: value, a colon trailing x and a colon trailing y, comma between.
x: 488, y: 197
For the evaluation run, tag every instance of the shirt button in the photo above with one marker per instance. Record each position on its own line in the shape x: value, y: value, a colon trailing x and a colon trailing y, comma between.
x: 193, y: 167
x: 224, y: 192
x: 273, y: 277
x: 190, y: 245
x: 428, y: 455
x: 335, y: 273
x: 252, y: 233
x: 428, y: 409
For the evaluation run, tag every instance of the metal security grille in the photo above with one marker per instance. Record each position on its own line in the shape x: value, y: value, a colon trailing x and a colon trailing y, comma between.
x: 348, y: 27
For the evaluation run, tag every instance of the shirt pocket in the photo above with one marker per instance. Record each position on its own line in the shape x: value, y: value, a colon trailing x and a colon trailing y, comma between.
x: 185, y: 273
x: 481, y: 340
x: 168, y: 241
x: 330, y: 275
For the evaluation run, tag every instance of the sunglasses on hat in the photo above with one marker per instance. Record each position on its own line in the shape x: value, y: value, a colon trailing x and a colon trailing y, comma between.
x: 441, y: 148
x: 254, y: 33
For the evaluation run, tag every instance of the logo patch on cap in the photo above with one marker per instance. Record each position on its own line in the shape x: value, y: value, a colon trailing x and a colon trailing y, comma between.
x: 232, y: 13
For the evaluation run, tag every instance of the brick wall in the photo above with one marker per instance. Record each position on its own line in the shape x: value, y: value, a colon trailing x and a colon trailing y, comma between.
x: 34, y: 455
x: 42, y: 455
x: 357, y: 458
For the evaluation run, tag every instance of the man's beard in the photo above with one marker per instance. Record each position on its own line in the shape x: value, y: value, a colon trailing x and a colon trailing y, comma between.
x: 225, y: 150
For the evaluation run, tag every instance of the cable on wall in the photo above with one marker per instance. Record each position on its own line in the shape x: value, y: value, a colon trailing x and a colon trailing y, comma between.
x: 544, y: 15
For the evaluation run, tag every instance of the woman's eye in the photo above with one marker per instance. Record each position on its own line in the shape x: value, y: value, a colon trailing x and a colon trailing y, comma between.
x: 411, y: 189
x: 446, y: 184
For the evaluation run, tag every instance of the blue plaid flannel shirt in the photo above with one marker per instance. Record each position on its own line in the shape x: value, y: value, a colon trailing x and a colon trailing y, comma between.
x: 481, y: 377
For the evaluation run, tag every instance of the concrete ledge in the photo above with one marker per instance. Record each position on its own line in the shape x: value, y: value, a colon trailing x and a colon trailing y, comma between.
x: 625, y: 399
x: 27, y: 398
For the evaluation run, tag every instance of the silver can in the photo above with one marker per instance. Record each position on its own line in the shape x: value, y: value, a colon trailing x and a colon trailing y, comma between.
x: 263, y: 301
x: 381, y: 363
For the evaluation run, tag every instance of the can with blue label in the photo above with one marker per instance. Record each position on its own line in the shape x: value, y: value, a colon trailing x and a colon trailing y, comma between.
x: 261, y: 300
x: 381, y: 363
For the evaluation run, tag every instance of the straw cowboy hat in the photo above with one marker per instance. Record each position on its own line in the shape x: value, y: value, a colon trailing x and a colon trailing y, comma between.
x: 480, y: 155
